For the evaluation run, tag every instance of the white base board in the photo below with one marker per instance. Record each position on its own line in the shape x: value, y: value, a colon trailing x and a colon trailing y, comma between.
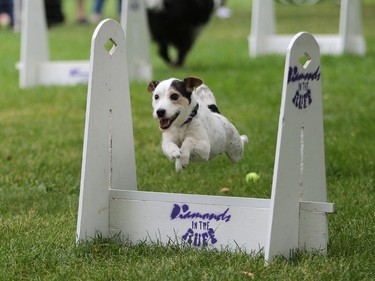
x: 235, y: 223
x: 329, y: 44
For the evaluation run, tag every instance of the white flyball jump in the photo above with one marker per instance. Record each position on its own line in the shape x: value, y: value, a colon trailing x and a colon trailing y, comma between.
x: 294, y: 218
x: 264, y: 40
x: 36, y: 68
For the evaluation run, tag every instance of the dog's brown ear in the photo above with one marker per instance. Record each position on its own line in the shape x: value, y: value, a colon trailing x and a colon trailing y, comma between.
x: 191, y: 83
x: 152, y: 85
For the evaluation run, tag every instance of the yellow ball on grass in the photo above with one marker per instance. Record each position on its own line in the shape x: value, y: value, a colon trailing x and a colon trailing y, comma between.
x: 254, y: 177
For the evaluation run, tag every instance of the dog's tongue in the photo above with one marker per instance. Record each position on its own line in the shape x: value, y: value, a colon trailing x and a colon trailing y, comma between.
x: 164, y: 123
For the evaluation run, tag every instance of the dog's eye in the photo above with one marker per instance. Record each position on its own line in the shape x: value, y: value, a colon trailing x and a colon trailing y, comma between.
x: 174, y: 97
x: 156, y: 97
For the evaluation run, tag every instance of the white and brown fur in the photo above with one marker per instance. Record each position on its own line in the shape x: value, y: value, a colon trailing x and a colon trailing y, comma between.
x: 192, y: 127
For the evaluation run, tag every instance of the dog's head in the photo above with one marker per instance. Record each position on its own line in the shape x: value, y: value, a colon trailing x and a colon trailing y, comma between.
x: 173, y: 100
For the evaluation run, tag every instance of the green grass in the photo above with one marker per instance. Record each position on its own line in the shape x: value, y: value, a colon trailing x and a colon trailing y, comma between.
x: 41, y: 133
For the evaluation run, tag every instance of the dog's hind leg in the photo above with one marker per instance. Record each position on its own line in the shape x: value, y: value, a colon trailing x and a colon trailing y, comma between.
x: 183, y: 47
x: 245, y: 139
x: 235, y: 150
x: 163, y: 52
x: 180, y: 58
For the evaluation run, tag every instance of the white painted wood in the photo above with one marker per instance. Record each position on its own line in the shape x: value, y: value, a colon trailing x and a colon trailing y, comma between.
x: 351, y: 27
x: 239, y: 225
x: 299, y: 171
x: 197, y: 199
x: 313, y: 231
x: 37, y: 69
x: 141, y: 216
x: 262, y: 27
x: 108, y: 153
x: 318, y: 207
x: 64, y: 72
x: 134, y: 23
x: 17, y: 14
x: 34, y: 44
x: 110, y: 203
x: 264, y: 40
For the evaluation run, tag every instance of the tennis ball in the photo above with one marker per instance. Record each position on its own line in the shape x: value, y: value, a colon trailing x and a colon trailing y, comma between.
x: 254, y: 177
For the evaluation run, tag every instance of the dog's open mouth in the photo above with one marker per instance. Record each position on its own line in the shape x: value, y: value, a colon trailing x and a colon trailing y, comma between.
x: 165, y: 123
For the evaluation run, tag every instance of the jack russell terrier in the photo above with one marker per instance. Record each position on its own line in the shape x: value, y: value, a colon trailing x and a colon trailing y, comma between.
x: 192, y: 127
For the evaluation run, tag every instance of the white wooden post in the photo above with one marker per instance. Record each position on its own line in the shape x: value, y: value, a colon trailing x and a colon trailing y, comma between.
x: 264, y: 40
x: 351, y: 27
x: 34, y: 45
x: 134, y: 22
x: 262, y: 26
x: 110, y: 203
x: 17, y: 8
x: 36, y: 68
x: 299, y: 172
x: 108, y: 152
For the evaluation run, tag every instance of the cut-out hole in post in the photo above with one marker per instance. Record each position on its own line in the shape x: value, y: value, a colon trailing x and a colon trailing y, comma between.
x: 110, y: 46
x: 305, y: 60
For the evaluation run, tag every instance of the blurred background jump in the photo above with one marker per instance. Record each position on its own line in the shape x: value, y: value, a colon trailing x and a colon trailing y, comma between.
x: 176, y: 25
x: 264, y: 40
x: 36, y: 68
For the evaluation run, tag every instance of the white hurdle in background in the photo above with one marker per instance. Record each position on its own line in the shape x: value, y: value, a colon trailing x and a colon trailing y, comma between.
x: 109, y: 204
x: 36, y: 68
x: 264, y: 40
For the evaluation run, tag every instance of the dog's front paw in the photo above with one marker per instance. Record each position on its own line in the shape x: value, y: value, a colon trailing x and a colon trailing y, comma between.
x: 173, y: 154
x: 180, y: 165
x: 176, y: 154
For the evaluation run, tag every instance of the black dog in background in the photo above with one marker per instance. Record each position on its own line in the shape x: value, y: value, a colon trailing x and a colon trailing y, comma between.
x: 54, y: 12
x: 177, y: 23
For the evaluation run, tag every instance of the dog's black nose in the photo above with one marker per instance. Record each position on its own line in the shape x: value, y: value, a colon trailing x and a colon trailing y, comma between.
x: 160, y: 113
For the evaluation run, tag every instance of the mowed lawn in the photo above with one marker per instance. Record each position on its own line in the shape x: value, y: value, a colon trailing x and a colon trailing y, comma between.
x: 41, y: 137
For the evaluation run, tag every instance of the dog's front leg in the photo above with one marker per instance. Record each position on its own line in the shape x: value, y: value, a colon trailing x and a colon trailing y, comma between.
x: 170, y: 148
x: 200, y: 149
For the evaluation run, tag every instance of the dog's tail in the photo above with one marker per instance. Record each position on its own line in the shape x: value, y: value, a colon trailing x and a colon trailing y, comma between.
x: 207, y: 97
